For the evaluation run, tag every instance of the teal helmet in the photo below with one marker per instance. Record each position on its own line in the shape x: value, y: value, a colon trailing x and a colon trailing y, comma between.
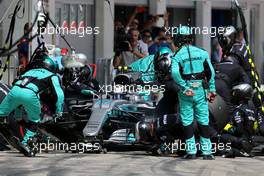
x: 162, y: 62
x: 42, y: 60
x: 183, y: 35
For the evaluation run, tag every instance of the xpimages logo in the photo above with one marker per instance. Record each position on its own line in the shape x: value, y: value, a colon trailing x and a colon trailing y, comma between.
x: 214, y: 147
x: 212, y: 31
x: 131, y: 88
x: 59, y: 146
x: 72, y: 30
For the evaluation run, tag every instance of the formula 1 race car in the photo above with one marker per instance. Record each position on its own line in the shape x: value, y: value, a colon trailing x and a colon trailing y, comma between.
x: 104, y: 118
x: 114, y: 120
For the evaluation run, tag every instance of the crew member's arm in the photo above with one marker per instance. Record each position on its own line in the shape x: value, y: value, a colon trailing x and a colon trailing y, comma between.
x: 210, y: 73
x: 146, y: 67
x: 59, y: 92
x: 175, y: 73
x: 143, y: 65
x: 239, y: 122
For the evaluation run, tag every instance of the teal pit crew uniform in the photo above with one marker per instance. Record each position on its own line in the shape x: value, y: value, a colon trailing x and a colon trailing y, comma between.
x: 25, y: 92
x: 190, y: 67
x: 146, y: 67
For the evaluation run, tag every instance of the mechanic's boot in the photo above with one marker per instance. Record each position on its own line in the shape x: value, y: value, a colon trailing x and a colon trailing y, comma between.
x: 246, y: 146
x: 208, y: 157
x: 26, y: 150
x: 27, y: 144
x: 161, y: 150
x: 189, y: 156
x: 154, y: 150
x: 245, y: 154
x: 165, y: 151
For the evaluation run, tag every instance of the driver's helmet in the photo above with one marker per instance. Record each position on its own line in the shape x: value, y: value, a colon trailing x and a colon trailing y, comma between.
x: 73, y: 76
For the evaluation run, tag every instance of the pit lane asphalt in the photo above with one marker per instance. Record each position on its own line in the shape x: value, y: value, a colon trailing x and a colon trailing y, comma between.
x: 125, y: 164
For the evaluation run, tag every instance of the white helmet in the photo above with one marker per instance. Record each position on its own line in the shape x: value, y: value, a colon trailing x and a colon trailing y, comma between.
x: 75, y: 60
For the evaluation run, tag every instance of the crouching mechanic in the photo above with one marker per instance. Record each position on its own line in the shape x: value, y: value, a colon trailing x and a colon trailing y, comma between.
x: 242, y: 130
x: 26, y: 90
x: 193, y: 71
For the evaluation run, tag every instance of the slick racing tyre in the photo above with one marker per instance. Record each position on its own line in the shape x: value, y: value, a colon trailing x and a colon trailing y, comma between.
x: 218, y: 113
